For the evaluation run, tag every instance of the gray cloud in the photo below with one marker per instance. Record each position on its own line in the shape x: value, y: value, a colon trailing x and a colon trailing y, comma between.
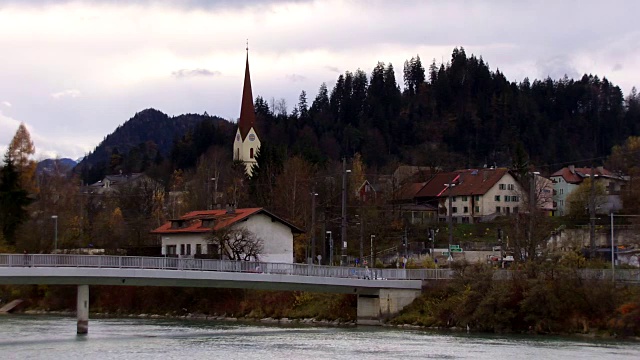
x: 556, y: 68
x: 332, y: 68
x: 184, y: 73
x: 295, y: 77
x: 184, y: 4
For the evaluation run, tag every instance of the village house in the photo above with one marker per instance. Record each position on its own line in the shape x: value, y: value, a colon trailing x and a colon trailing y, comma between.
x: 190, y: 234
x: 567, y: 179
x: 476, y: 194
x: 114, y: 183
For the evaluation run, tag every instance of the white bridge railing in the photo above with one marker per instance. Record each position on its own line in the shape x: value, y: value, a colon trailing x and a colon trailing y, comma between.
x: 172, y: 263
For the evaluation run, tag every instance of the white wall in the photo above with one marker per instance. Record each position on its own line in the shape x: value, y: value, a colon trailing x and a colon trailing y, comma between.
x: 243, y: 148
x: 277, y: 239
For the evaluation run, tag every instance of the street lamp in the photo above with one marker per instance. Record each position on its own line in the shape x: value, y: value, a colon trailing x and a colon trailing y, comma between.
x: 313, y: 225
x: 343, y: 235
x: 55, y: 233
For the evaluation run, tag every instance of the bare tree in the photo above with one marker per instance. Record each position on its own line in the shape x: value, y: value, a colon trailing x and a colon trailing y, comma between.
x: 237, y: 243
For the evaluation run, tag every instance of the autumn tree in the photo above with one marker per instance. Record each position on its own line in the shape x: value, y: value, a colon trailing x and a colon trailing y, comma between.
x: 20, y: 151
x: 237, y: 243
x: 578, y: 200
x: 625, y: 159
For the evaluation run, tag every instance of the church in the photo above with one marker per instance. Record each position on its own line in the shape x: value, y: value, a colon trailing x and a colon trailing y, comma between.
x: 246, y: 143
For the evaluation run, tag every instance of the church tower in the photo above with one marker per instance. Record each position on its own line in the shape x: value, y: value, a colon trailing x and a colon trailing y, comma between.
x: 246, y: 143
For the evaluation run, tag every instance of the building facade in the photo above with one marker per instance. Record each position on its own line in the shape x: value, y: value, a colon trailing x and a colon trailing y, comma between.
x: 190, y: 234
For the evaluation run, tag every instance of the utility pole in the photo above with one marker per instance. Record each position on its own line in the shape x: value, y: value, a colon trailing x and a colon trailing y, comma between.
x: 361, y: 235
x: 450, y: 186
x: 592, y: 214
x: 372, y: 260
x: 343, y: 234
x: 313, y: 224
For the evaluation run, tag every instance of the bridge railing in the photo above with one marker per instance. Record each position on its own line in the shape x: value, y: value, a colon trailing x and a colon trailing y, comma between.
x: 172, y: 263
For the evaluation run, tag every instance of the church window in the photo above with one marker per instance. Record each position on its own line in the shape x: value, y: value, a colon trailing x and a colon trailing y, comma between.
x: 251, y: 153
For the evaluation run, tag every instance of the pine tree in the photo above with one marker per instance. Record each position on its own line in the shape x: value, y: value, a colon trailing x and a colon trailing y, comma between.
x: 13, y: 201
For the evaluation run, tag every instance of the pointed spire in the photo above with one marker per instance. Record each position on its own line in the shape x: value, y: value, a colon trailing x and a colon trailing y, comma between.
x: 247, y: 111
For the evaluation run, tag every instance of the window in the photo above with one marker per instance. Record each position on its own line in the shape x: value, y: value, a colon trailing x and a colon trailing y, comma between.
x: 498, y: 209
x: 507, y: 198
x: 198, y: 249
x: 454, y: 210
x: 515, y: 209
x: 464, y: 198
x: 188, y: 249
x: 238, y: 154
x: 251, y: 153
x: 507, y: 210
x: 501, y: 187
x: 465, y: 220
x: 466, y: 209
x: 181, y: 249
x: 170, y: 250
x: 477, y: 197
x: 514, y: 199
x: 453, y: 198
x: 561, y: 191
x: 511, y: 186
x: 477, y: 210
x: 497, y: 198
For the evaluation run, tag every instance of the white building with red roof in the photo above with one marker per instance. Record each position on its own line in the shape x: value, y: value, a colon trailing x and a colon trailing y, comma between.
x: 567, y: 179
x: 188, y: 235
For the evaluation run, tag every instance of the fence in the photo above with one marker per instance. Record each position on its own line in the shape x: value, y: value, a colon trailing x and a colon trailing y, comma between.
x: 191, y: 264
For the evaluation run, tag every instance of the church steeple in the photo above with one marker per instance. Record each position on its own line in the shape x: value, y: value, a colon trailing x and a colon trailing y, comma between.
x: 246, y: 143
x: 247, y: 111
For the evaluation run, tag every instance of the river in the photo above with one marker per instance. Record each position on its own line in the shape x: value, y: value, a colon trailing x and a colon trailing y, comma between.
x: 53, y: 337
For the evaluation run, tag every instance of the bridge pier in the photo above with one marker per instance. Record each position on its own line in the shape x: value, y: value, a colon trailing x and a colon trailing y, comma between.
x: 376, y: 308
x: 82, y: 309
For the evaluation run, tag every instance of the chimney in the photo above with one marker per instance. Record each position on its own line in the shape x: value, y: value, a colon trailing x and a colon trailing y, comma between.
x: 572, y: 169
x: 231, y: 208
x: 600, y: 170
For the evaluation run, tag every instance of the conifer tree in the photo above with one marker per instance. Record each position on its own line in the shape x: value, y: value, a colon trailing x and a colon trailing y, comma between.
x: 13, y: 200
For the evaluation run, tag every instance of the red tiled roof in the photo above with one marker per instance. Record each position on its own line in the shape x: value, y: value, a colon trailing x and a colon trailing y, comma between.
x: 579, y: 174
x: 247, y: 111
x: 408, y: 191
x: 468, y: 182
x: 194, y: 220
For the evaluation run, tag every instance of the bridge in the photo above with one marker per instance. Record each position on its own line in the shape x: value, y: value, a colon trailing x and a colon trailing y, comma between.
x: 381, y: 293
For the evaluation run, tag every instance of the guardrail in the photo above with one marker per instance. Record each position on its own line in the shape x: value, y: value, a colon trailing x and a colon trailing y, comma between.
x: 171, y: 263
x: 191, y: 264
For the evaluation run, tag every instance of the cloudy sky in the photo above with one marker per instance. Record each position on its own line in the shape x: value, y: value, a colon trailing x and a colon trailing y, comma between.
x: 73, y: 71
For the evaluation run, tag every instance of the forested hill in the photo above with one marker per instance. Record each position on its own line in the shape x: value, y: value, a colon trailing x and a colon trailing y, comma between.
x: 452, y: 115
x: 458, y: 114
x: 146, y: 138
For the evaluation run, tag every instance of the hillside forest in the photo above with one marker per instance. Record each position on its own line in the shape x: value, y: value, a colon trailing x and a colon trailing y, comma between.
x: 457, y: 114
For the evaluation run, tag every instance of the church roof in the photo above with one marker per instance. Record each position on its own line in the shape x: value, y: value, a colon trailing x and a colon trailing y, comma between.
x: 247, y: 111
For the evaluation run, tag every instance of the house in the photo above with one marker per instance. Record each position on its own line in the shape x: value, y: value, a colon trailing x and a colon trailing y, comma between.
x: 187, y: 235
x: 476, y: 194
x: 567, y: 179
x: 404, y: 202
x: 112, y: 183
